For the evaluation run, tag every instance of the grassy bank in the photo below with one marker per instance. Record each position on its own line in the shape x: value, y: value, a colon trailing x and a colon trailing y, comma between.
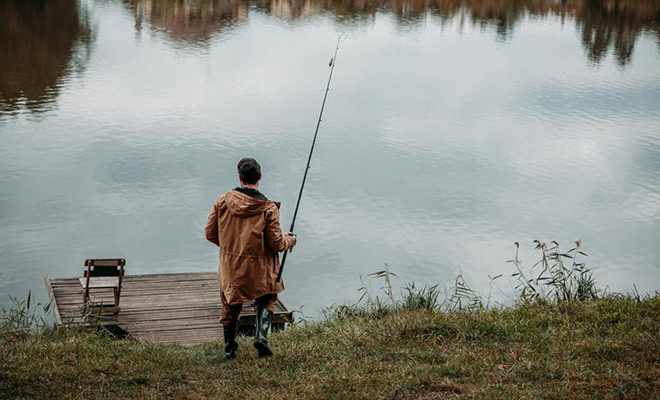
x: 604, y: 348
x: 561, y: 338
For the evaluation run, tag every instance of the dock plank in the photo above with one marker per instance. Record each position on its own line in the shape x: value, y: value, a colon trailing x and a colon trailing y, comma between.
x: 181, y: 308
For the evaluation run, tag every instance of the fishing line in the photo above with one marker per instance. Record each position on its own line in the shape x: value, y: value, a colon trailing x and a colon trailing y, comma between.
x: 333, y: 61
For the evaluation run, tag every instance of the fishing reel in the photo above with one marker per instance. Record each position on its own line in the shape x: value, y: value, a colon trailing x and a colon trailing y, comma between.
x: 295, y: 237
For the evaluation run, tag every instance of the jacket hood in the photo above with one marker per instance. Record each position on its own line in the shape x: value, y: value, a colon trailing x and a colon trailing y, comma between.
x: 242, y: 205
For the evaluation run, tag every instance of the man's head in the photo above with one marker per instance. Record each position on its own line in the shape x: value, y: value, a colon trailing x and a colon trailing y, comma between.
x: 249, y: 171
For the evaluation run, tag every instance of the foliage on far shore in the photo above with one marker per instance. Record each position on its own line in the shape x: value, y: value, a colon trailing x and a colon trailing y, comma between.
x: 422, y: 345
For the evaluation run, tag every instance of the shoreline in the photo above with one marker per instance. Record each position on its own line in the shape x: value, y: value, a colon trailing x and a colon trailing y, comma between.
x: 603, y: 348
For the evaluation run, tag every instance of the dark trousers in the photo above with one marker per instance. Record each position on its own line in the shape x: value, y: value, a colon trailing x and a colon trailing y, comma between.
x: 230, y: 312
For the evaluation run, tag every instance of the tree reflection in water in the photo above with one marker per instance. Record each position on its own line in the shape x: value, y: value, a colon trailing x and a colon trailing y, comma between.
x: 41, y: 42
x: 604, y: 24
x: 188, y: 22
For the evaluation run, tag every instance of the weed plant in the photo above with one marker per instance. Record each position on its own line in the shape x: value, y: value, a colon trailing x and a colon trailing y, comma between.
x: 550, y: 279
x: 23, y: 317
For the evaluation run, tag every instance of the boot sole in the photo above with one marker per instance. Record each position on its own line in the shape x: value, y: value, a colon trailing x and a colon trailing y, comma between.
x: 263, y: 350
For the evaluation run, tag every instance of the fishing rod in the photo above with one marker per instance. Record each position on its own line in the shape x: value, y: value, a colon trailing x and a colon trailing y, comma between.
x: 333, y: 61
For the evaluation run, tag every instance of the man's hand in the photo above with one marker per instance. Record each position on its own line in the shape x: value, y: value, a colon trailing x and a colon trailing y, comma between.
x: 291, y: 238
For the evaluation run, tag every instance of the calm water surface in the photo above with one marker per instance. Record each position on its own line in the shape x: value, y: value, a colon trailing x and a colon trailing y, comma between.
x: 453, y: 129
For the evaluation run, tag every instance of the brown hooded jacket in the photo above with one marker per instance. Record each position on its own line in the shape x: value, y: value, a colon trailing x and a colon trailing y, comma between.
x: 247, y: 231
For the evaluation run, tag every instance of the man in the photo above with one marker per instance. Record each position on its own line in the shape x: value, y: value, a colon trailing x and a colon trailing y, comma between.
x: 245, y: 225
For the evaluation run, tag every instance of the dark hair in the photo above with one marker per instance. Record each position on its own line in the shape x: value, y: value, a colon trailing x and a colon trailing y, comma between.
x: 249, y: 170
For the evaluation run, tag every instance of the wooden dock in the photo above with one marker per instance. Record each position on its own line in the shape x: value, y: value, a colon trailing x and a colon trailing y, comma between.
x: 166, y: 308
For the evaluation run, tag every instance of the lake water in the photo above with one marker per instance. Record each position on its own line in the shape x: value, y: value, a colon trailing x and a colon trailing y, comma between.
x: 452, y: 129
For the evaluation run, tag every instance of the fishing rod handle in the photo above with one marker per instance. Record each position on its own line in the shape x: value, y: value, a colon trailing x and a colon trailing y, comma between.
x: 279, y: 274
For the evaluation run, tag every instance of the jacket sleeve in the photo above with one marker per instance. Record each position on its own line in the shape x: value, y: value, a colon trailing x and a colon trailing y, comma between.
x: 274, y: 235
x: 211, y: 228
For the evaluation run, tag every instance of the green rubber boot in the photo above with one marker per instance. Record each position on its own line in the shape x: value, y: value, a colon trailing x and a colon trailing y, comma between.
x: 264, y: 318
x: 231, y: 346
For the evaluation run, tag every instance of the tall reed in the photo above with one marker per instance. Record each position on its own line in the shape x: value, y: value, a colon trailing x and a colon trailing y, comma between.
x: 21, y: 317
x: 557, y: 277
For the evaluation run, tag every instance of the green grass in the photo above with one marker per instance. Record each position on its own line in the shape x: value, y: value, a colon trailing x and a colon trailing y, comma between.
x: 607, y: 348
x: 561, y: 339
